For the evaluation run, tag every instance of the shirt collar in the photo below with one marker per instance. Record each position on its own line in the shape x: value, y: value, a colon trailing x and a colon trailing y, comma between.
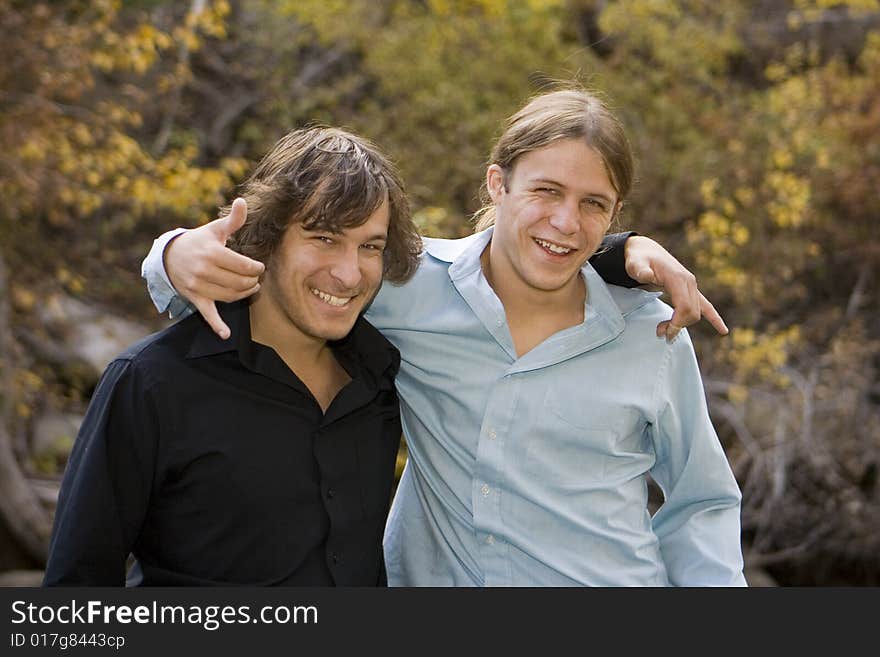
x: 208, y: 343
x: 464, y: 258
x: 604, y: 311
x: 363, y: 350
x: 366, y: 348
x: 463, y: 254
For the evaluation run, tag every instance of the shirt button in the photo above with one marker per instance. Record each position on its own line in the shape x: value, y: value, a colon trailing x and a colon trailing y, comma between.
x: 484, y: 490
x: 490, y: 539
x: 335, y: 558
x: 492, y: 434
x: 330, y: 493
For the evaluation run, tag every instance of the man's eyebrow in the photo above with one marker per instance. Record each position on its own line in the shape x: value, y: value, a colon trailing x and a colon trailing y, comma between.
x: 604, y: 197
x: 555, y: 183
x: 546, y: 181
x: 382, y: 237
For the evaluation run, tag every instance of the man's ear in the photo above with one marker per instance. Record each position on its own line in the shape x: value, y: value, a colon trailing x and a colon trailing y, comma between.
x: 495, y: 182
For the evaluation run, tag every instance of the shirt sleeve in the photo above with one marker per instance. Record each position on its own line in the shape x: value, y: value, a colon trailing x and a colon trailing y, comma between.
x: 162, y: 292
x: 106, y: 487
x: 609, y: 261
x: 698, y: 524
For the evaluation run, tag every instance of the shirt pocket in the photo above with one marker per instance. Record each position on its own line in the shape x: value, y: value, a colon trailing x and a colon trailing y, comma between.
x: 577, y: 444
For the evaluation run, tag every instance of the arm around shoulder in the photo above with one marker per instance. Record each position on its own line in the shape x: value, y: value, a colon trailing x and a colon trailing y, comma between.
x: 609, y: 261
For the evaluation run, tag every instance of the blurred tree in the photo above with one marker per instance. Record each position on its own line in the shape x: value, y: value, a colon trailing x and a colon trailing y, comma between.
x: 78, y: 183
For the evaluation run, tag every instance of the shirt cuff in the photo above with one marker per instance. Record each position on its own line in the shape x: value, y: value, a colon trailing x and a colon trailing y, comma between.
x: 610, y: 261
x: 162, y: 292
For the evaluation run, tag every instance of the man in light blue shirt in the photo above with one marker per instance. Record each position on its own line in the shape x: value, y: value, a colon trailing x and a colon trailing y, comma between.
x: 536, y: 399
x: 530, y: 469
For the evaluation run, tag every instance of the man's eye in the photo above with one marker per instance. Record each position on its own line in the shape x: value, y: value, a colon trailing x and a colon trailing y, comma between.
x: 324, y: 239
x: 546, y: 190
x: 373, y: 247
x: 595, y: 204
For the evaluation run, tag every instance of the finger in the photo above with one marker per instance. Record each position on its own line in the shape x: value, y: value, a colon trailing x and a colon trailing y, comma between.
x: 208, y: 310
x: 226, y: 226
x: 210, y: 293
x: 712, y: 316
x: 668, y: 330
x: 244, y: 294
x: 237, y: 263
x: 671, y: 331
x: 219, y: 278
x: 685, y: 314
x: 685, y: 300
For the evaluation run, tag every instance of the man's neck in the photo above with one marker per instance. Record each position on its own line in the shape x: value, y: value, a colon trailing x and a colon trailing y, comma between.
x: 533, y: 315
x: 309, y: 358
x: 271, y: 327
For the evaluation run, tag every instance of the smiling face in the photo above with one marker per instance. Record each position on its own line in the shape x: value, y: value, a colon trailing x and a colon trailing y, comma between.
x: 552, y: 211
x: 318, y: 282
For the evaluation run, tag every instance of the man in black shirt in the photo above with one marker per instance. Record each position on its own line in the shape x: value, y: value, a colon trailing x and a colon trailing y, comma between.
x: 267, y: 458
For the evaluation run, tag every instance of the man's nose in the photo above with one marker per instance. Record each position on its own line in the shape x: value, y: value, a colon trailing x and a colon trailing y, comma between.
x: 566, y: 218
x: 346, y: 269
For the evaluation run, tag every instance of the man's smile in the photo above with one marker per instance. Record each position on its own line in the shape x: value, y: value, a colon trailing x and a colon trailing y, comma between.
x: 331, y: 299
x: 552, y: 247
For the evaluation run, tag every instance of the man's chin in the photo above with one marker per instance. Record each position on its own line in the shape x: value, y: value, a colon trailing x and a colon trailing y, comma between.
x: 333, y: 330
x: 334, y: 323
x: 332, y: 337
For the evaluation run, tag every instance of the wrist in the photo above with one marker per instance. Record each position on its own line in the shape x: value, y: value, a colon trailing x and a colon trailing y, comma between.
x: 171, y: 239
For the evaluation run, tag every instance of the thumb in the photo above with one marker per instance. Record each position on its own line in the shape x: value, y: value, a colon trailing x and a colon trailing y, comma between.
x: 234, y: 220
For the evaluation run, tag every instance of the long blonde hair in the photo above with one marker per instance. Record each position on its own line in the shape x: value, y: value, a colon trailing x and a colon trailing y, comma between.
x: 573, y: 113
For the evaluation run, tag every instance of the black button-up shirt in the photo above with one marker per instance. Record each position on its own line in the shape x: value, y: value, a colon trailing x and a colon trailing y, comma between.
x: 212, y: 463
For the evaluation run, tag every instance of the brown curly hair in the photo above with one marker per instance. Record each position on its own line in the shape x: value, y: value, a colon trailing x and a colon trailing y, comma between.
x: 327, y: 179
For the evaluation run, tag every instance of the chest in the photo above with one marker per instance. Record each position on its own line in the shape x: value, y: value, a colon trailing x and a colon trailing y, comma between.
x: 324, y: 382
x: 458, y: 366
x: 269, y: 446
x: 528, y: 330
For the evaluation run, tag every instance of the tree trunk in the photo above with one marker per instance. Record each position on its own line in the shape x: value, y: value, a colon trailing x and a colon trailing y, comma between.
x: 28, y: 521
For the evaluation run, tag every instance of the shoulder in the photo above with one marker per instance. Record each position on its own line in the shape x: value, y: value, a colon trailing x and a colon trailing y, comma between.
x: 427, y: 286
x: 438, y: 255
x: 675, y: 362
x: 636, y: 304
x: 447, y: 250
x: 642, y: 311
x: 374, y: 347
x: 152, y: 359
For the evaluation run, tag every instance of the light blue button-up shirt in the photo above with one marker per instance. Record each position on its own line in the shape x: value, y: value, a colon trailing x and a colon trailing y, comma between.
x: 532, y: 471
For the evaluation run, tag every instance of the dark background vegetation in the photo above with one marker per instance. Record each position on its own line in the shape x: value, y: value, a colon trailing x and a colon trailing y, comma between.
x: 757, y: 130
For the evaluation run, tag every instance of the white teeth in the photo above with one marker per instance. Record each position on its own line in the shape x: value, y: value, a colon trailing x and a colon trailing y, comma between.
x: 561, y: 250
x: 329, y: 298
